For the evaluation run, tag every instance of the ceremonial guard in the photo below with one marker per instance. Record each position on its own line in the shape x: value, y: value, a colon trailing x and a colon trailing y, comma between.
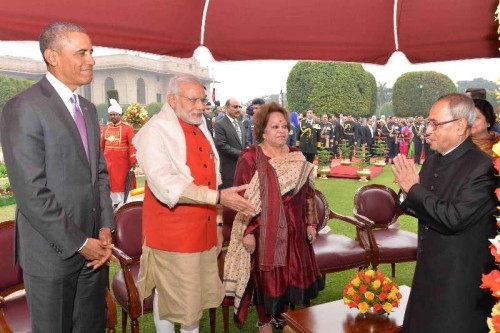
x: 418, y: 130
x: 309, y: 137
x: 116, y: 143
x: 326, y: 129
x: 349, y: 128
x: 393, y: 130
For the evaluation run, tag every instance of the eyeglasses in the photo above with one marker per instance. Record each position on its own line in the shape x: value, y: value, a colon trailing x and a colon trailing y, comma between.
x: 432, y: 124
x: 193, y: 101
x: 236, y: 106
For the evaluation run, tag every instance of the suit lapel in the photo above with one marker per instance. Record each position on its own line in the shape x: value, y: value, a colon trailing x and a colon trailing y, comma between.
x: 91, y: 135
x: 232, y: 129
x: 61, y: 112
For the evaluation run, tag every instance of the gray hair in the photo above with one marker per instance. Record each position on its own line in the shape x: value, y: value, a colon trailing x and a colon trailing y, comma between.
x: 460, y: 106
x: 54, y: 33
x: 176, y: 81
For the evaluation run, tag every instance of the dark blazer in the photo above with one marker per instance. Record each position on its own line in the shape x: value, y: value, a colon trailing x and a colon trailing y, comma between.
x: 229, y: 148
x: 62, y: 199
x: 454, y: 204
x: 367, y: 135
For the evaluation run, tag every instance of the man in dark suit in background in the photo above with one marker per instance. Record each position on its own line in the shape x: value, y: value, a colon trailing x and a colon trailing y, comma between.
x: 50, y: 139
x: 454, y: 201
x: 229, y: 140
x: 368, y: 135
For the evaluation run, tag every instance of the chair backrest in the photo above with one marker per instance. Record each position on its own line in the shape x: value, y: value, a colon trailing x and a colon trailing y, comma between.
x: 322, y: 209
x: 379, y: 203
x: 11, y: 275
x: 128, y: 229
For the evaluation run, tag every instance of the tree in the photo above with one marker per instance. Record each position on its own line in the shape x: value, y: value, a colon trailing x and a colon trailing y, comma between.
x: 330, y: 87
x: 384, y: 94
x: 476, y: 83
x: 153, y: 108
x: 113, y: 93
x: 373, y: 87
x: 9, y: 87
x: 414, y: 92
x: 387, y: 109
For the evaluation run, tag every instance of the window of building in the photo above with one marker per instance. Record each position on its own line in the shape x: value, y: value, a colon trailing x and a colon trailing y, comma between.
x: 109, y: 84
x: 87, y: 92
x: 141, y: 91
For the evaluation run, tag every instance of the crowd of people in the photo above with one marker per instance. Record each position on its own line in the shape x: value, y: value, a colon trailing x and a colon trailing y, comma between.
x: 262, y: 168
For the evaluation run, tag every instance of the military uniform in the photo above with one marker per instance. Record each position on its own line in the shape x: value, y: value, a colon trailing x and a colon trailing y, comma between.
x: 418, y: 130
x: 393, y: 132
x: 309, y: 138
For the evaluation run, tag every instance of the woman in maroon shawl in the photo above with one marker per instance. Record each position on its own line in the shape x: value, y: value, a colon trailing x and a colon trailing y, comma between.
x: 270, y: 260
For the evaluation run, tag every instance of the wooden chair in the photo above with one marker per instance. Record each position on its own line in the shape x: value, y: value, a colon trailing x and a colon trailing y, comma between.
x: 128, y: 249
x: 334, y: 252
x: 378, y: 207
x: 14, y: 311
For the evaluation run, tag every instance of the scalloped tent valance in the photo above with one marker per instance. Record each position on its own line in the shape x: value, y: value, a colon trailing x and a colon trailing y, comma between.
x: 358, y: 31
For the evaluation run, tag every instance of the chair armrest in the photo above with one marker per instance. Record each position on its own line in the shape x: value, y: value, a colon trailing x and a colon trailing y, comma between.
x: 4, y: 327
x: 346, y: 218
x: 123, y: 258
x: 363, y: 219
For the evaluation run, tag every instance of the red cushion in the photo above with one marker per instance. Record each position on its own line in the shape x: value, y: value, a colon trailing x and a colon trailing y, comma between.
x: 396, y: 245
x: 120, y: 289
x: 337, y: 252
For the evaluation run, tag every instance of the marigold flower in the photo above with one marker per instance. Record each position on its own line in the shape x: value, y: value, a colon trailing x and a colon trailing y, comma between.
x: 346, y: 300
x: 355, y: 297
x: 496, y: 150
x: 377, y: 307
x: 363, y: 288
x: 376, y: 284
x: 386, y: 287
x: 352, y: 305
x: 494, y: 252
x: 369, y: 295
x: 387, y: 307
x: 356, y: 281
x: 363, y: 307
x: 351, y: 291
x: 382, y: 296
x: 492, y: 281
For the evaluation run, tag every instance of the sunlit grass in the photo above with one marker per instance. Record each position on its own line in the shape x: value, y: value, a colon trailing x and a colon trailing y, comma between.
x: 339, y: 193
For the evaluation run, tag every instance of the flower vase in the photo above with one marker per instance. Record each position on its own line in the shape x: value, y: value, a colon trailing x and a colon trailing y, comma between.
x: 345, y: 161
x: 363, y: 174
x: 323, y: 171
x: 380, y: 162
x: 373, y: 313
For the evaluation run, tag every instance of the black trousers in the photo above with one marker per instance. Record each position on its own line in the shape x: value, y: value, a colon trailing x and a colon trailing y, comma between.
x: 72, y: 303
x: 309, y: 157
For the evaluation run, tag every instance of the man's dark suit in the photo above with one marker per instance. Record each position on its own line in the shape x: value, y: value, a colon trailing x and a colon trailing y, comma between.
x: 229, y: 147
x: 368, y: 137
x: 455, y: 207
x: 61, y: 199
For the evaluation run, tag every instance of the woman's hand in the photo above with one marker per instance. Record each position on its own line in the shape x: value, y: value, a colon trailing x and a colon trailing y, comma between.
x: 312, y: 233
x: 249, y: 243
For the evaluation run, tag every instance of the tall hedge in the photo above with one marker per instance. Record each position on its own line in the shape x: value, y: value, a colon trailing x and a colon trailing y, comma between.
x: 414, y: 92
x: 330, y: 87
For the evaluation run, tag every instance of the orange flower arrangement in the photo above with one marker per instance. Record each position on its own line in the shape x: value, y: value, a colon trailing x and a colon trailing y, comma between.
x: 370, y: 290
x: 492, y: 280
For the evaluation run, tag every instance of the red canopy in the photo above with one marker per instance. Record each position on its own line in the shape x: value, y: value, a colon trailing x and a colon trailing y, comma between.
x: 356, y: 30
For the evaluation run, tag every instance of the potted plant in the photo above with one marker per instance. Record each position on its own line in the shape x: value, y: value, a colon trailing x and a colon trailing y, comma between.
x: 363, y: 162
x: 324, y: 162
x: 345, y: 153
x: 380, y: 151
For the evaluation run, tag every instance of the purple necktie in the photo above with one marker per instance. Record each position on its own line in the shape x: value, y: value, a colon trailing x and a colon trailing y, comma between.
x: 80, y: 123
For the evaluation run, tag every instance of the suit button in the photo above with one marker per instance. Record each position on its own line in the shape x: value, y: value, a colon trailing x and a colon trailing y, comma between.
x: 93, y: 209
x: 209, y: 218
x: 205, y: 165
x: 201, y: 149
x: 432, y: 187
x: 209, y: 183
x: 420, y: 250
x: 426, y: 227
x: 436, y: 175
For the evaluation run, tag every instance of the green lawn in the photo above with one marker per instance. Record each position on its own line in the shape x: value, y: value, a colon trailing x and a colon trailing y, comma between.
x: 339, y: 193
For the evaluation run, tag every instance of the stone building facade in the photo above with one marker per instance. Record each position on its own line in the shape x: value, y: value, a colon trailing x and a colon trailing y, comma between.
x: 137, y: 78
